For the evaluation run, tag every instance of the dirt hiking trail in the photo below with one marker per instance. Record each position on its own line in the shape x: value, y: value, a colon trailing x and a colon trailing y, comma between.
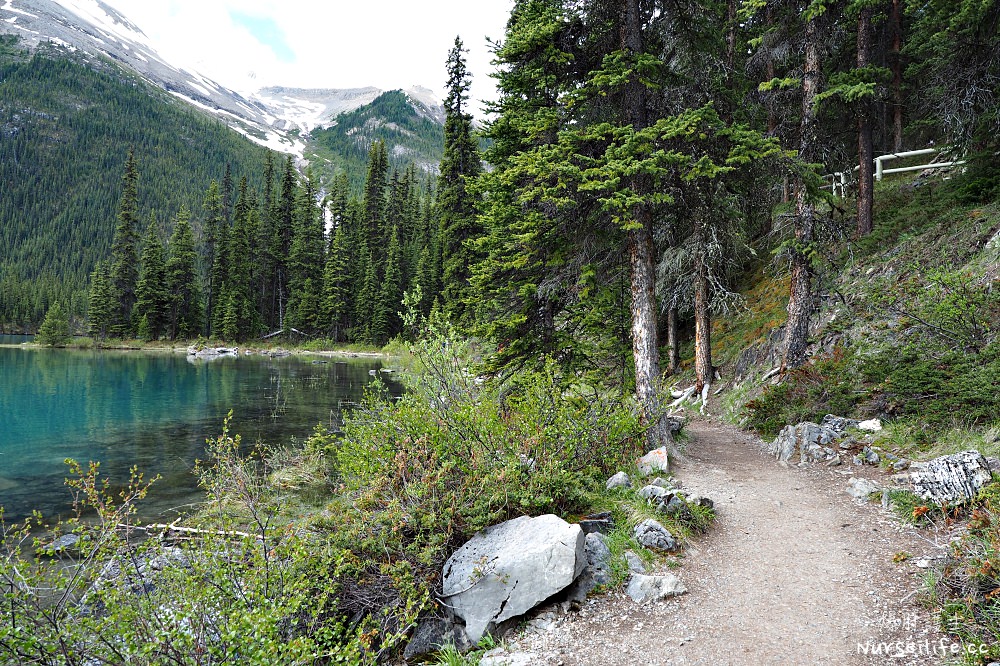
x: 794, y: 571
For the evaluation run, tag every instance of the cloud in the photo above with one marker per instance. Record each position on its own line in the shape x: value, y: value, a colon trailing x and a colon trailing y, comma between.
x: 248, y: 44
x: 266, y: 31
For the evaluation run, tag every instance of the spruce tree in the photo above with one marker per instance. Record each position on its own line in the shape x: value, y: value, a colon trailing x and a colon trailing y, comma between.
x: 102, y: 302
x: 374, y: 200
x: 185, y: 314
x: 152, y: 305
x: 366, y: 300
x: 214, y: 232
x: 124, y: 251
x: 54, y: 331
x: 385, y: 316
x: 456, y: 204
x: 306, y: 258
x: 336, y: 287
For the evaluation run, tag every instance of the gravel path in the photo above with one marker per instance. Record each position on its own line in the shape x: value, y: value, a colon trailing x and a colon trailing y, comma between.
x: 794, y: 572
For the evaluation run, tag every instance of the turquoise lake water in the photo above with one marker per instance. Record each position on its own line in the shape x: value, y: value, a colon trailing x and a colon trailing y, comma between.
x: 150, y: 409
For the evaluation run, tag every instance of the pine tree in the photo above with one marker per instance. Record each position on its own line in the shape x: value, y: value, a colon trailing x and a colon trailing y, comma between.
x: 152, y: 307
x: 124, y: 251
x: 185, y: 314
x: 102, y: 303
x: 456, y: 204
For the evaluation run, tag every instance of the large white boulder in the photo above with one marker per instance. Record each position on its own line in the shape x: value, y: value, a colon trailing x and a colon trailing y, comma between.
x: 508, y: 569
x: 954, y: 478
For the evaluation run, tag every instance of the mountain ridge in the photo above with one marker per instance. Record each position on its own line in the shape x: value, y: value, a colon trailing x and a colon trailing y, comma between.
x: 277, y: 117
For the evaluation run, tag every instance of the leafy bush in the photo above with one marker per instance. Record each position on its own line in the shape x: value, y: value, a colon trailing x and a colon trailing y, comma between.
x: 456, y: 454
x: 250, y: 591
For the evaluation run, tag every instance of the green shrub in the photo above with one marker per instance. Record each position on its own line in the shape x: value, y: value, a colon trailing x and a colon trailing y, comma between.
x: 829, y: 386
x: 247, y: 590
x: 457, y: 454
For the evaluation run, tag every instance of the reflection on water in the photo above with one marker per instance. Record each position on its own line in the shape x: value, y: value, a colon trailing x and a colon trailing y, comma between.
x: 152, y: 410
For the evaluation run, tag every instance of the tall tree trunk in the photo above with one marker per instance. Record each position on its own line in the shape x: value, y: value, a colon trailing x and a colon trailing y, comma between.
x: 731, y: 25
x: 702, y: 314
x: 866, y: 184
x: 639, y: 242
x: 800, y: 298
x: 673, y: 343
x: 896, y: 26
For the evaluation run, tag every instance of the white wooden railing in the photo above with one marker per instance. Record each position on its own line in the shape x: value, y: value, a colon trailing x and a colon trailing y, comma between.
x: 840, y: 180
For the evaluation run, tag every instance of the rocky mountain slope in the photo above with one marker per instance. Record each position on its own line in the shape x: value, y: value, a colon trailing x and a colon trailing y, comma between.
x: 277, y: 117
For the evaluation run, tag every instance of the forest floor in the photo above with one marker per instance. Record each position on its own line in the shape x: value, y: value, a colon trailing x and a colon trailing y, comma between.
x: 794, y: 571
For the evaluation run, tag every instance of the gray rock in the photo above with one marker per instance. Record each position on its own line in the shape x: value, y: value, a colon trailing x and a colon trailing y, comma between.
x: 809, y: 440
x: 212, y: 353
x: 507, y: 569
x: 677, y: 508
x: 657, y: 460
x: 595, y: 548
x: 900, y: 465
x: 702, y: 501
x: 432, y: 634
x: 634, y: 562
x: 954, y: 478
x: 869, y: 456
x: 598, y: 569
x: 598, y: 522
x: 652, y: 534
x: 860, y: 488
x: 64, y: 545
x: 655, y: 494
x: 619, y: 480
x: 839, y: 424
x: 994, y: 464
x: 669, y: 484
x: 643, y: 589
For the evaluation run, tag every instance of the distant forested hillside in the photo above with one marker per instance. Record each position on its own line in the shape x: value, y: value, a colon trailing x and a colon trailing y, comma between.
x: 391, y: 117
x: 66, y: 124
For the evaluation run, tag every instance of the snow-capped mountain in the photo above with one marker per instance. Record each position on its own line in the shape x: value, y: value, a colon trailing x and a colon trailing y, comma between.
x: 276, y: 117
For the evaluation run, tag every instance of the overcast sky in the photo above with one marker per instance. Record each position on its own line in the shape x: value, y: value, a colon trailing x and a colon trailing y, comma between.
x: 249, y: 44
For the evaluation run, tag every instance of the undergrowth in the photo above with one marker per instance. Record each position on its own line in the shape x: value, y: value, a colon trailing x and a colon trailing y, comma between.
x: 966, y: 593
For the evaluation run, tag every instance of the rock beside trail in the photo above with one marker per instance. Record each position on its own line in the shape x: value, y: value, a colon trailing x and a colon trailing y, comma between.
x: 507, y: 569
x: 838, y: 424
x: 634, y: 562
x: 871, y: 425
x: 656, y: 460
x: 598, y: 569
x: 954, y: 478
x: 652, y: 534
x: 644, y: 589
x: 619, y: 480
x: 597, y: 522
x: 809, y: 440
x: 860, y: 488
x: 432, y: 634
